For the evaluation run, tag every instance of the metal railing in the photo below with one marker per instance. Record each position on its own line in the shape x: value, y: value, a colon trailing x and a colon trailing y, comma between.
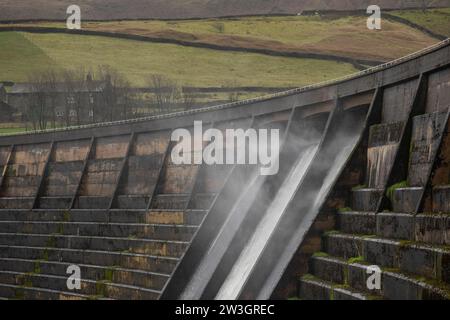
x: 380, y: 67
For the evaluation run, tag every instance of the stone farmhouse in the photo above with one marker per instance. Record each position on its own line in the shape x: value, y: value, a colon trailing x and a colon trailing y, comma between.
x: 7, y: 112
x: 80, y: 102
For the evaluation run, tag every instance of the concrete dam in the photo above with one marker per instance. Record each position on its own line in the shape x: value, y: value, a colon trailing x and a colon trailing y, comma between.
x: 363, y: 182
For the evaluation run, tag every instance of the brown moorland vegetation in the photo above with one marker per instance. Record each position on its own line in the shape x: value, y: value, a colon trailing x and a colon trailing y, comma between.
x: 180, y: 9
x: 337, y: 36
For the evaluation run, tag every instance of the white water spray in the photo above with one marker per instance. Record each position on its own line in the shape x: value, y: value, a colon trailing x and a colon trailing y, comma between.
x: 219, y: 245
x: 255, y: 246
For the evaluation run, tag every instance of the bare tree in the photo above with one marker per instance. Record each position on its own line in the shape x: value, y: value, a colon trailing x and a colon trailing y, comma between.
x: 50, y: 79
x: 77, y: 96
x: 37, y: 111
x: 123, y: 96
x: 80, y: 92
x: 166, y: 92
x: 75, y: 88
x: 123, y: 93
x: 70, y: 88
x: 425, y: 5
x: 116, y: 94
x: 187, y: 98
x: 231, y: 90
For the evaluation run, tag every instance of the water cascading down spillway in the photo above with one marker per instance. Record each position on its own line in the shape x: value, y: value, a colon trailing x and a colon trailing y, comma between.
x: 253, y: 262
x: 252, y: 250
x: 339, y: 141
x: 248, y: 180
x: 250, y: 214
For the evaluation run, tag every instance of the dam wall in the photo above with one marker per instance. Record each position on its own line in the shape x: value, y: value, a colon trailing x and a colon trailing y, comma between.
x: 109, y: 197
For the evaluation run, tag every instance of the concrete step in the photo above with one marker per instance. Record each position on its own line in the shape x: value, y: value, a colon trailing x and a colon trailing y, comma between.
x: 16, y: 202
x: 142, y: 246
x: 366, y: 199
x: 132, y: 202
x: 54, y: 202
x: 139, y: 278
x: 92, y: 202
x: 423, y: 228
x: 409, y: 257
x: 172, y: 217
x: 203, y: 201
x: 312, y: 288
x: 357, y: 222
x: 170, y: 201
x: 393, y: 285
x: 94, y: 229
x: 441, y: 199
x: 157, y: 264
x: 23, y: 293
x: 406, y: 200
x: 432, y: 228
x: 88, y: 287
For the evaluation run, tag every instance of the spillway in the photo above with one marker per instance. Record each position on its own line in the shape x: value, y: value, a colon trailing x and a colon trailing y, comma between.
x: 223, y: 239
x: 338, y: 144
x: 255, y: 246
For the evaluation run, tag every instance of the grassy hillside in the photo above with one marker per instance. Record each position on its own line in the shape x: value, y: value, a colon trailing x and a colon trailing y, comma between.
x: 22, y: 52
x: 175, y: 9
x: 340, y: 36
x: 345, y: 36
x: 19, y: 56
x: 436, y: 20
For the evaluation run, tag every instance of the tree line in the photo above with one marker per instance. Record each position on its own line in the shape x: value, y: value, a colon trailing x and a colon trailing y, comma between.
x: 58, y: 98
x: 75, y: 97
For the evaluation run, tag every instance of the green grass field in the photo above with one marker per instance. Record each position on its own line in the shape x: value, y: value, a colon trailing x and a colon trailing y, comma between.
x: 344, y: 36
x: 19, y: 56
x: 22, y: 52
x: 436, y: 20
x: 7, y: 131
x: 314, y: 33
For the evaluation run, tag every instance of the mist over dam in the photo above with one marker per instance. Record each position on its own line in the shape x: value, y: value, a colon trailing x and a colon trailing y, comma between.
x: 363, y: 179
